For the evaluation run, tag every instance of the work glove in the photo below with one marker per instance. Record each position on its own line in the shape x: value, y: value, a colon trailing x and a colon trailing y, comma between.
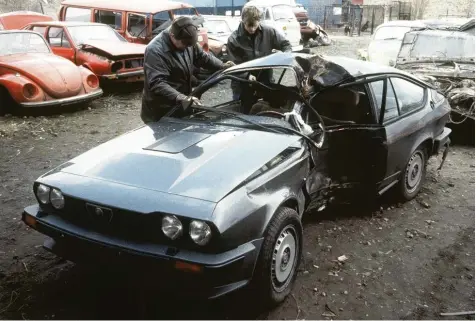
x: 187, y: 101
x: 228, y: 64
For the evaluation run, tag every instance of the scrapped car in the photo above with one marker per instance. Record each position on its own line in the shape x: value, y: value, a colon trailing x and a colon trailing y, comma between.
x: 212, y: 198
x: 138, y: 21
x: 445, y: 59
x: 387, y: 38
x: 310, y: 30
x: 32, y: 76
x: 18, y: 19
x: 219, y: 28
x: 95, y: 46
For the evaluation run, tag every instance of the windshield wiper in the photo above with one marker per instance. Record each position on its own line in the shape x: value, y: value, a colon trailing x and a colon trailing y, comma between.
x: 266, y: 127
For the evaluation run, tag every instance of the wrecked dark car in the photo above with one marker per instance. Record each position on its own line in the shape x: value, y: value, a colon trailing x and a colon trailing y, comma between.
x: 444, y: 59
x: 95, y: 46
x: 212, y: 197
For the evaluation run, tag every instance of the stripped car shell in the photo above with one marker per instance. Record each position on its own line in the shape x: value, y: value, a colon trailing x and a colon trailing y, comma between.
x: 95, y: 46
x: 445, y: 59
x: 32, y: 76
x: 191, y: 165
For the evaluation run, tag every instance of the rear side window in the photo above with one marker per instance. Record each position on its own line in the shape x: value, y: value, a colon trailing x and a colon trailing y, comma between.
x: 40, y: 30
x: 136, y: 25
x: 391, y: 107
x: 57, y: 38
x: 111, y: 18
x: 410, y: 96
x: 77, y: 14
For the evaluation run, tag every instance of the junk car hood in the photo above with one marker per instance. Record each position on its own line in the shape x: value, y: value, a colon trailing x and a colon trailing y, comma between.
x: 58, y: 77
x: 202, y: 162
x: 114, y: 49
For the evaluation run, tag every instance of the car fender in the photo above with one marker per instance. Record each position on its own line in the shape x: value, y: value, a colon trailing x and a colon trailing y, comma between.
x: 14, y: 84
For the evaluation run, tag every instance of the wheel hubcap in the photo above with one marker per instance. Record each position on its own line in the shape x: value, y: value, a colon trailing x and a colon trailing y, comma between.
x: 284, y: 258
x: 414, y: 172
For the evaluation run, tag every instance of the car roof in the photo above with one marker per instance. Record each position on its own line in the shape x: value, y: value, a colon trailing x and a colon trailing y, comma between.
x: 146, y: 6
x: 66, y: 23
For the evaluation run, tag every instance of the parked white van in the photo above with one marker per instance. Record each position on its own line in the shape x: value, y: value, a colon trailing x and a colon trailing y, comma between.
x: 280, y: 16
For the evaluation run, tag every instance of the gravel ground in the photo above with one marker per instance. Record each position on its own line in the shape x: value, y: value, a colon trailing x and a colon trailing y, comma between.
x: 404, y: 261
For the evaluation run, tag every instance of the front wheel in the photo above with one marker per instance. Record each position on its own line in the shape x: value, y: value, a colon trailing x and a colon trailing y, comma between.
x: 413, y: 174
x: 279, y: 258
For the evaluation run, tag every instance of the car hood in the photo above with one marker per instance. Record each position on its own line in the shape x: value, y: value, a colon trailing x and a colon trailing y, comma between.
x: 57, y: 76
x: 114, y: 49
x: 202, y: 162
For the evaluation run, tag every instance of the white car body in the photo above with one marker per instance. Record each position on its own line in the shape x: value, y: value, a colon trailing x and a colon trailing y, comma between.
x: 280, y: 16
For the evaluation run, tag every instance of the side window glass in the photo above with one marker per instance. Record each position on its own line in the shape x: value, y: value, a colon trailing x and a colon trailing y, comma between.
x: 40, y: 30
x: 160, y: 18
x: 410, y: 96
x: 57, y: 38
x: 136, y: 25
x: 111, y: 18
x: 391, y: 107
x: 77, y: 14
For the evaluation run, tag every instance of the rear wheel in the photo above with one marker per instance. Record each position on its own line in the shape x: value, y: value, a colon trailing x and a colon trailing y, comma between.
x: 279, y: 257
x: 413, y: 174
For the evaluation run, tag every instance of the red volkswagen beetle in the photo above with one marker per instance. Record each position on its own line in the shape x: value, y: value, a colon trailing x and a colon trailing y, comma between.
x: 32, y: 76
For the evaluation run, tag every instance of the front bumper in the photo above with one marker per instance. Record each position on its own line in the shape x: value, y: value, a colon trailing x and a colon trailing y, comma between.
x: 137, y: 75
x: 66, y: 101
x: 216, y: 275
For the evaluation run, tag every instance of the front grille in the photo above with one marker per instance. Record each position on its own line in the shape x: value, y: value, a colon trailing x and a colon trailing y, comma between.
x: 133, y: 63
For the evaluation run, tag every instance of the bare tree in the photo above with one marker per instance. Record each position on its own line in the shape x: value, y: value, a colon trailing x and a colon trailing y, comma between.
x: 419, y: 7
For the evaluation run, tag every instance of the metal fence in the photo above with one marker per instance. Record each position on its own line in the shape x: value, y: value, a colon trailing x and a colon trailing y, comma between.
x: 353, y: 20
x: 400, y: 10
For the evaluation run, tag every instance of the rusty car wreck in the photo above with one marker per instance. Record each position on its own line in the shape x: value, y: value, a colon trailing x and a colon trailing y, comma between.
x: 212, y: 197
x: 445, y: 59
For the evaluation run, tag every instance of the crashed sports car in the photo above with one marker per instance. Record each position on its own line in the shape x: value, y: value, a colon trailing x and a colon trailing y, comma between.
x: 212, y: 197
x: 32, y: 76
x: 95, y: 46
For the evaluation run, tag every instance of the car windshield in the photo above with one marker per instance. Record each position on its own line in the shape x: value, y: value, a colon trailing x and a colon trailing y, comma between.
x: 283, y: 12
x: 442, y: 44
x: 22, y: 42
x: 391, y: 33
x: 217, y: 26
x: 82, y: 34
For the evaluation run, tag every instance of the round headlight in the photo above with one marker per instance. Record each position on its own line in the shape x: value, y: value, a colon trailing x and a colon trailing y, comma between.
x: 172, y: 227
x: 200, y: 232
x: 43, y: 193
x: 57, y: 199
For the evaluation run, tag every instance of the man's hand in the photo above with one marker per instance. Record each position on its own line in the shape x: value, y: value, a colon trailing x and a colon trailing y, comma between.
x: 275, y: 51
x: 252, y: 78
x: 228, y: 64
x: 186, y: 102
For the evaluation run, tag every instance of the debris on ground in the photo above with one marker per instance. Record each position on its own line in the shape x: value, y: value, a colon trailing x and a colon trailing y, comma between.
x: 342, y: 258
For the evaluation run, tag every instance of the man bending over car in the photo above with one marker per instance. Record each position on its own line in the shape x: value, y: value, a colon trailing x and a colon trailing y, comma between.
x: 250, y: 41
x: 168, y: 69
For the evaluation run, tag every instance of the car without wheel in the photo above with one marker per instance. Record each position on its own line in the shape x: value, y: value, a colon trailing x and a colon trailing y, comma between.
x: 212, y: 197
x: 32, y: 76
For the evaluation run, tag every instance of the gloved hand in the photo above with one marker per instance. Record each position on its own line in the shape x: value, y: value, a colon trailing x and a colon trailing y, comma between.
x: 252, y: 78
x: 187, y: 101
x: 228, y: 64
x: 275, y: 51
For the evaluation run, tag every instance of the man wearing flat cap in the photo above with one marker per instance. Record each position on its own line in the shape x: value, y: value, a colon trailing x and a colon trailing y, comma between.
x: 168, y: 69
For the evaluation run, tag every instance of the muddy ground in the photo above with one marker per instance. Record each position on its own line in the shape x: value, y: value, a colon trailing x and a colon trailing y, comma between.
x: 405, y: 261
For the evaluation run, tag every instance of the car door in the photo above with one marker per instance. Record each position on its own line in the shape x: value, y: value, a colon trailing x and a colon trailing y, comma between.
x: 60, y: 43
x: 405, y: 121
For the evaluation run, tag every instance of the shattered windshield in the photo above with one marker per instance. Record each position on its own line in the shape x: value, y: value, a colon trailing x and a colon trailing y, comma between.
x: 391, y: 33
x: 22, y: 42
x: 83, y: 34
x: 439, y: 44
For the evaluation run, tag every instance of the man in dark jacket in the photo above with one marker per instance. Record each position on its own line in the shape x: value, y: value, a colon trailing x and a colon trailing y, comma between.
x: 168, y: 69
x: 250, y: 41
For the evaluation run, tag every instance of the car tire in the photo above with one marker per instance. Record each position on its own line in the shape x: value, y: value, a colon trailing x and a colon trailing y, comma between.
x: 413, y: 174
x: 282, y: 245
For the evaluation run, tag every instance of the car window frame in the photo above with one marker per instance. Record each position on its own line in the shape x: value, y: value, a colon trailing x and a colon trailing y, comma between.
x: 121, y: 13
x: 65, y: 35
x: 369, y: 78
x: 420, y: 105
